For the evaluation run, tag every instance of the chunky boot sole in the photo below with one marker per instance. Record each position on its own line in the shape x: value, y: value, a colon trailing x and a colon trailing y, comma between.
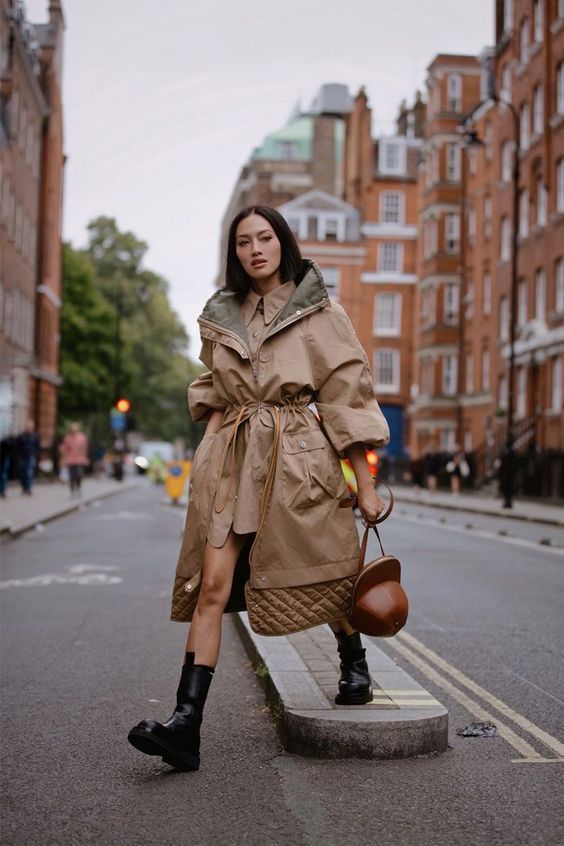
x: 360, y: 698
x: 145, y: 740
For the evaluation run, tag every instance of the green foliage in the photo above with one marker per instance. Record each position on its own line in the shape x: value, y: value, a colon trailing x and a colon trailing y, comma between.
x: 120, y: 335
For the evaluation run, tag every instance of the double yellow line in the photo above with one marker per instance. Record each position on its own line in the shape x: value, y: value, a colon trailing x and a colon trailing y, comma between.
x: 438, y: 670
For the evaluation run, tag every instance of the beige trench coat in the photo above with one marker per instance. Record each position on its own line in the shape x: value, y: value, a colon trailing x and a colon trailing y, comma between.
x: 309, y: 354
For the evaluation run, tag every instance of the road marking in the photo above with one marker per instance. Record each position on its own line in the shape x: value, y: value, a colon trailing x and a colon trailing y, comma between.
x: 527, y: 752
x: 482, y: 533
x: 89, y: 575
x: 547, y: 739
x: 521, y: 746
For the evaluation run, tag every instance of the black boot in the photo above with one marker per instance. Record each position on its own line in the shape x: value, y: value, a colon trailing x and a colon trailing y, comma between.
x: 178, y: 740
x: 355, y: 684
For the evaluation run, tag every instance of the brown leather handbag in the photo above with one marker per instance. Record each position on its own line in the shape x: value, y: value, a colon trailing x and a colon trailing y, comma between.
x: 379, y: 603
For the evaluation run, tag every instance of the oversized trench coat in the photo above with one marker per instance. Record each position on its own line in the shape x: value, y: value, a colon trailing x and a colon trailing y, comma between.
x: 309, y: 354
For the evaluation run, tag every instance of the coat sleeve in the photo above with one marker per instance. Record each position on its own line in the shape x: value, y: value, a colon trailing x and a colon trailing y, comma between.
x: 202, y: 396
x: 345, y: 397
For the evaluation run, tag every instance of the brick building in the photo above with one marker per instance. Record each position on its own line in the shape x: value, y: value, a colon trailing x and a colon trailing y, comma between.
x: 31, y: 147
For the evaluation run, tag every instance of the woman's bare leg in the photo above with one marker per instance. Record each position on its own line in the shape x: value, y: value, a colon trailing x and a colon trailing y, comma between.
x: 204, y: 636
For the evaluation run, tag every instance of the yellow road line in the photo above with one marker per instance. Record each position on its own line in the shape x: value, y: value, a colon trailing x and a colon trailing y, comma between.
x: 521, y: 746
x: 547, y: 739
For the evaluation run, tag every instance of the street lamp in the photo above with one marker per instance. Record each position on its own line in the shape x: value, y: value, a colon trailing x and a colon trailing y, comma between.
x: 470, y: 139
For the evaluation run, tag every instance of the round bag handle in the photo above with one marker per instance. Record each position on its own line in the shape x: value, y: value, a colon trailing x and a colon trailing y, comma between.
x: 386, y: 513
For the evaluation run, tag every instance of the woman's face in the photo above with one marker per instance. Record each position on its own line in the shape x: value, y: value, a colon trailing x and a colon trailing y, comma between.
x: 258, y: 250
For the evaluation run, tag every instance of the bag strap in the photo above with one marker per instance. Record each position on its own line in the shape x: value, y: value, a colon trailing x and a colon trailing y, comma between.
x: 381, y: 518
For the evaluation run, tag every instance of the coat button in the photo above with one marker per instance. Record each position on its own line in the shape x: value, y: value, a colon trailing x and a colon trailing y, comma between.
x: 255, y: 334
x: 298, y: 312
x: 213, y: 334
x: 188, y: 588
x: 302, y: 444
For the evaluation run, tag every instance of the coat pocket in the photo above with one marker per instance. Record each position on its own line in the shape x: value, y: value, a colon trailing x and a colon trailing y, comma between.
x: 310, y: 470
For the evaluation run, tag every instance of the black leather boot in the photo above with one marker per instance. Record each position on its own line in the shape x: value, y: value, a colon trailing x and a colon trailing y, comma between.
x: 178, y: 740
x: 355, y: 684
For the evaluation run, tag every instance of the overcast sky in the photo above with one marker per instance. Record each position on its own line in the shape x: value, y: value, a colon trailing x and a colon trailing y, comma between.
x: 165, y: 101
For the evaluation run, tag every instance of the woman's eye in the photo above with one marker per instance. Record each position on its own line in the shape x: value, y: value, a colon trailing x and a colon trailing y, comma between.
x: 268, y: 238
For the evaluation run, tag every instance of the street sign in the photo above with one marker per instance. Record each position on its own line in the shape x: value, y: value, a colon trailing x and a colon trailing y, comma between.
x: 118, y: 420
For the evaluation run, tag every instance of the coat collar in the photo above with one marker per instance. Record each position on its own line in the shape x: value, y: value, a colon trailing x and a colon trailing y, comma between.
x: 273, y: 302
x: 223, y: 309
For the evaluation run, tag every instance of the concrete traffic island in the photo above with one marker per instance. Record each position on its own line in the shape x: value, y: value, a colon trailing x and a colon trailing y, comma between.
x: 300, y: 674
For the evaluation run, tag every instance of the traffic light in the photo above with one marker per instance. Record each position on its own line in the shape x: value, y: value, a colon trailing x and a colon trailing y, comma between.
x: 372, y: 459
x: 123, y: 405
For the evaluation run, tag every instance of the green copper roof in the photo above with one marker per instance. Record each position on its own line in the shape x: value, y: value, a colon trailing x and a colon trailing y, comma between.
x: 293, y: 141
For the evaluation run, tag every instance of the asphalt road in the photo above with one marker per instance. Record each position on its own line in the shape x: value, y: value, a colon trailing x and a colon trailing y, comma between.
x: 88, y: 651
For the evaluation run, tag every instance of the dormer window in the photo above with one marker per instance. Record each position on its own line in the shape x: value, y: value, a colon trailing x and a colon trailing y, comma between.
x: 392, y: 158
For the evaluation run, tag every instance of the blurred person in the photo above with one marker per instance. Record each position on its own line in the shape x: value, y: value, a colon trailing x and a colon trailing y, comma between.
x: 74, y: 456
x: 27, y: 453
x: 7, y: 457
x: 432, y: 464
x: 267, y: 467
x: 458, y: 469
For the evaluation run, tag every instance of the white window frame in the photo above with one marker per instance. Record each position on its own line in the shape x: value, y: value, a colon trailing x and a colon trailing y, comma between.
x: 447, y: 440
x: 524, y: 213
x: 503, y: 318
x: 392, y: 365
x: 486, y: 294
x: 538, y: 20
x: 560, y: 185
x: 385, y: 252
x: 505, y: 239
x: 450, y: 303
x: 385, y: 147
x: 508, y: 16
x: 502, y: 394
x: 487, y: 216
x: 449, y: 380
x: 332, y: 279
x: 542, y: 202
x: 453, y: 162
x: 392, y: 207
x: 454, y: 92
x: 486, y: 364
x: 560, y: 89
x: 452, y: 232
x: 387, y: 315
x: 521, y: 403
x: 469, y: 373
x: 506, y: 161
x: 506, y: 83
x: 469, y: 300
x: 525, y: 127
x: 540, y: 295
x: 524, y: 40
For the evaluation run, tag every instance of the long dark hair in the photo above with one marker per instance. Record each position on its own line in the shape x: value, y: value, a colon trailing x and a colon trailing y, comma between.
x: 290, y: 257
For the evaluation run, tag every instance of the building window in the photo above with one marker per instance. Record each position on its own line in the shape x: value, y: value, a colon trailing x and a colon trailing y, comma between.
x: 391, y: 256
x: 392, y: 207
x: 331, y: 277
x: 538, y: 109
x: 560, y: 89
x: 538, y: 18
x: 487, y: 294
x: 487, y: 217
x: 387, y: 315
x: 524, y: 41
x: 521, y: 408
x: 541, y: 203
x: 506, y: 156
x: 312, y: 228
x: 505, y: 243
x: 488, y: 139
x: 331, y: 229
x: 560, y: 185
x: 505, y: 92
x: 450, y: 304
x: 427, y: 376
x: 507, y: 15
x: 449, y: 375
x: 557, y: 385
x: 428, y: 306
x: 540, y: 295
x: 391, y: 156
x: 447, y: 440
x: 287, y: 149
x: 502, y: 392
x: 452, y: 232
x: 559, y: 286
x: 525, y: 127
x: 469, y: 373
x: 521, y: 303
x: 503, y: 318
x: 454, y: 92
x: 469, y: 299
x: 524, y: 213
x: 387, y: 371
x: 485, y: 370
x: 453, y: 162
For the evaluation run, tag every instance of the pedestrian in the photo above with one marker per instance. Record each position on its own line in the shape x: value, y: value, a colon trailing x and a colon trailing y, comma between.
x: 432, y: 464
x: 74, y: 456
x: 458, y: 469
x: 27, y: 453
x: 7, y: 455
x: 266, y: 485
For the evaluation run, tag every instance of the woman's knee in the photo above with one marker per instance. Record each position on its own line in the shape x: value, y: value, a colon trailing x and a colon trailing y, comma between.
x: 214, y: 593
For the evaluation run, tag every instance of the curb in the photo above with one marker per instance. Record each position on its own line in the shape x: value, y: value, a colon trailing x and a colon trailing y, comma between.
x: 469, y: 508
x: 15, y: 531
x: 299, y: 673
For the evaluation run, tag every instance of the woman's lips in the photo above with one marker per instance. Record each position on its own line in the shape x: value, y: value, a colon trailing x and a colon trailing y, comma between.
x: 259, y: 263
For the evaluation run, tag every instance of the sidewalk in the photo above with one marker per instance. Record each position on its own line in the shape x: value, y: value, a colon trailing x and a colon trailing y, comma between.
x: 300, y: 674
x: 51, y: 499
x: 536, y: 512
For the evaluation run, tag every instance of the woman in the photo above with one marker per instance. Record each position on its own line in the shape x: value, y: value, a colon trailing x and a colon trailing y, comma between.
x: 74, y: 456
x: 266, y: 486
